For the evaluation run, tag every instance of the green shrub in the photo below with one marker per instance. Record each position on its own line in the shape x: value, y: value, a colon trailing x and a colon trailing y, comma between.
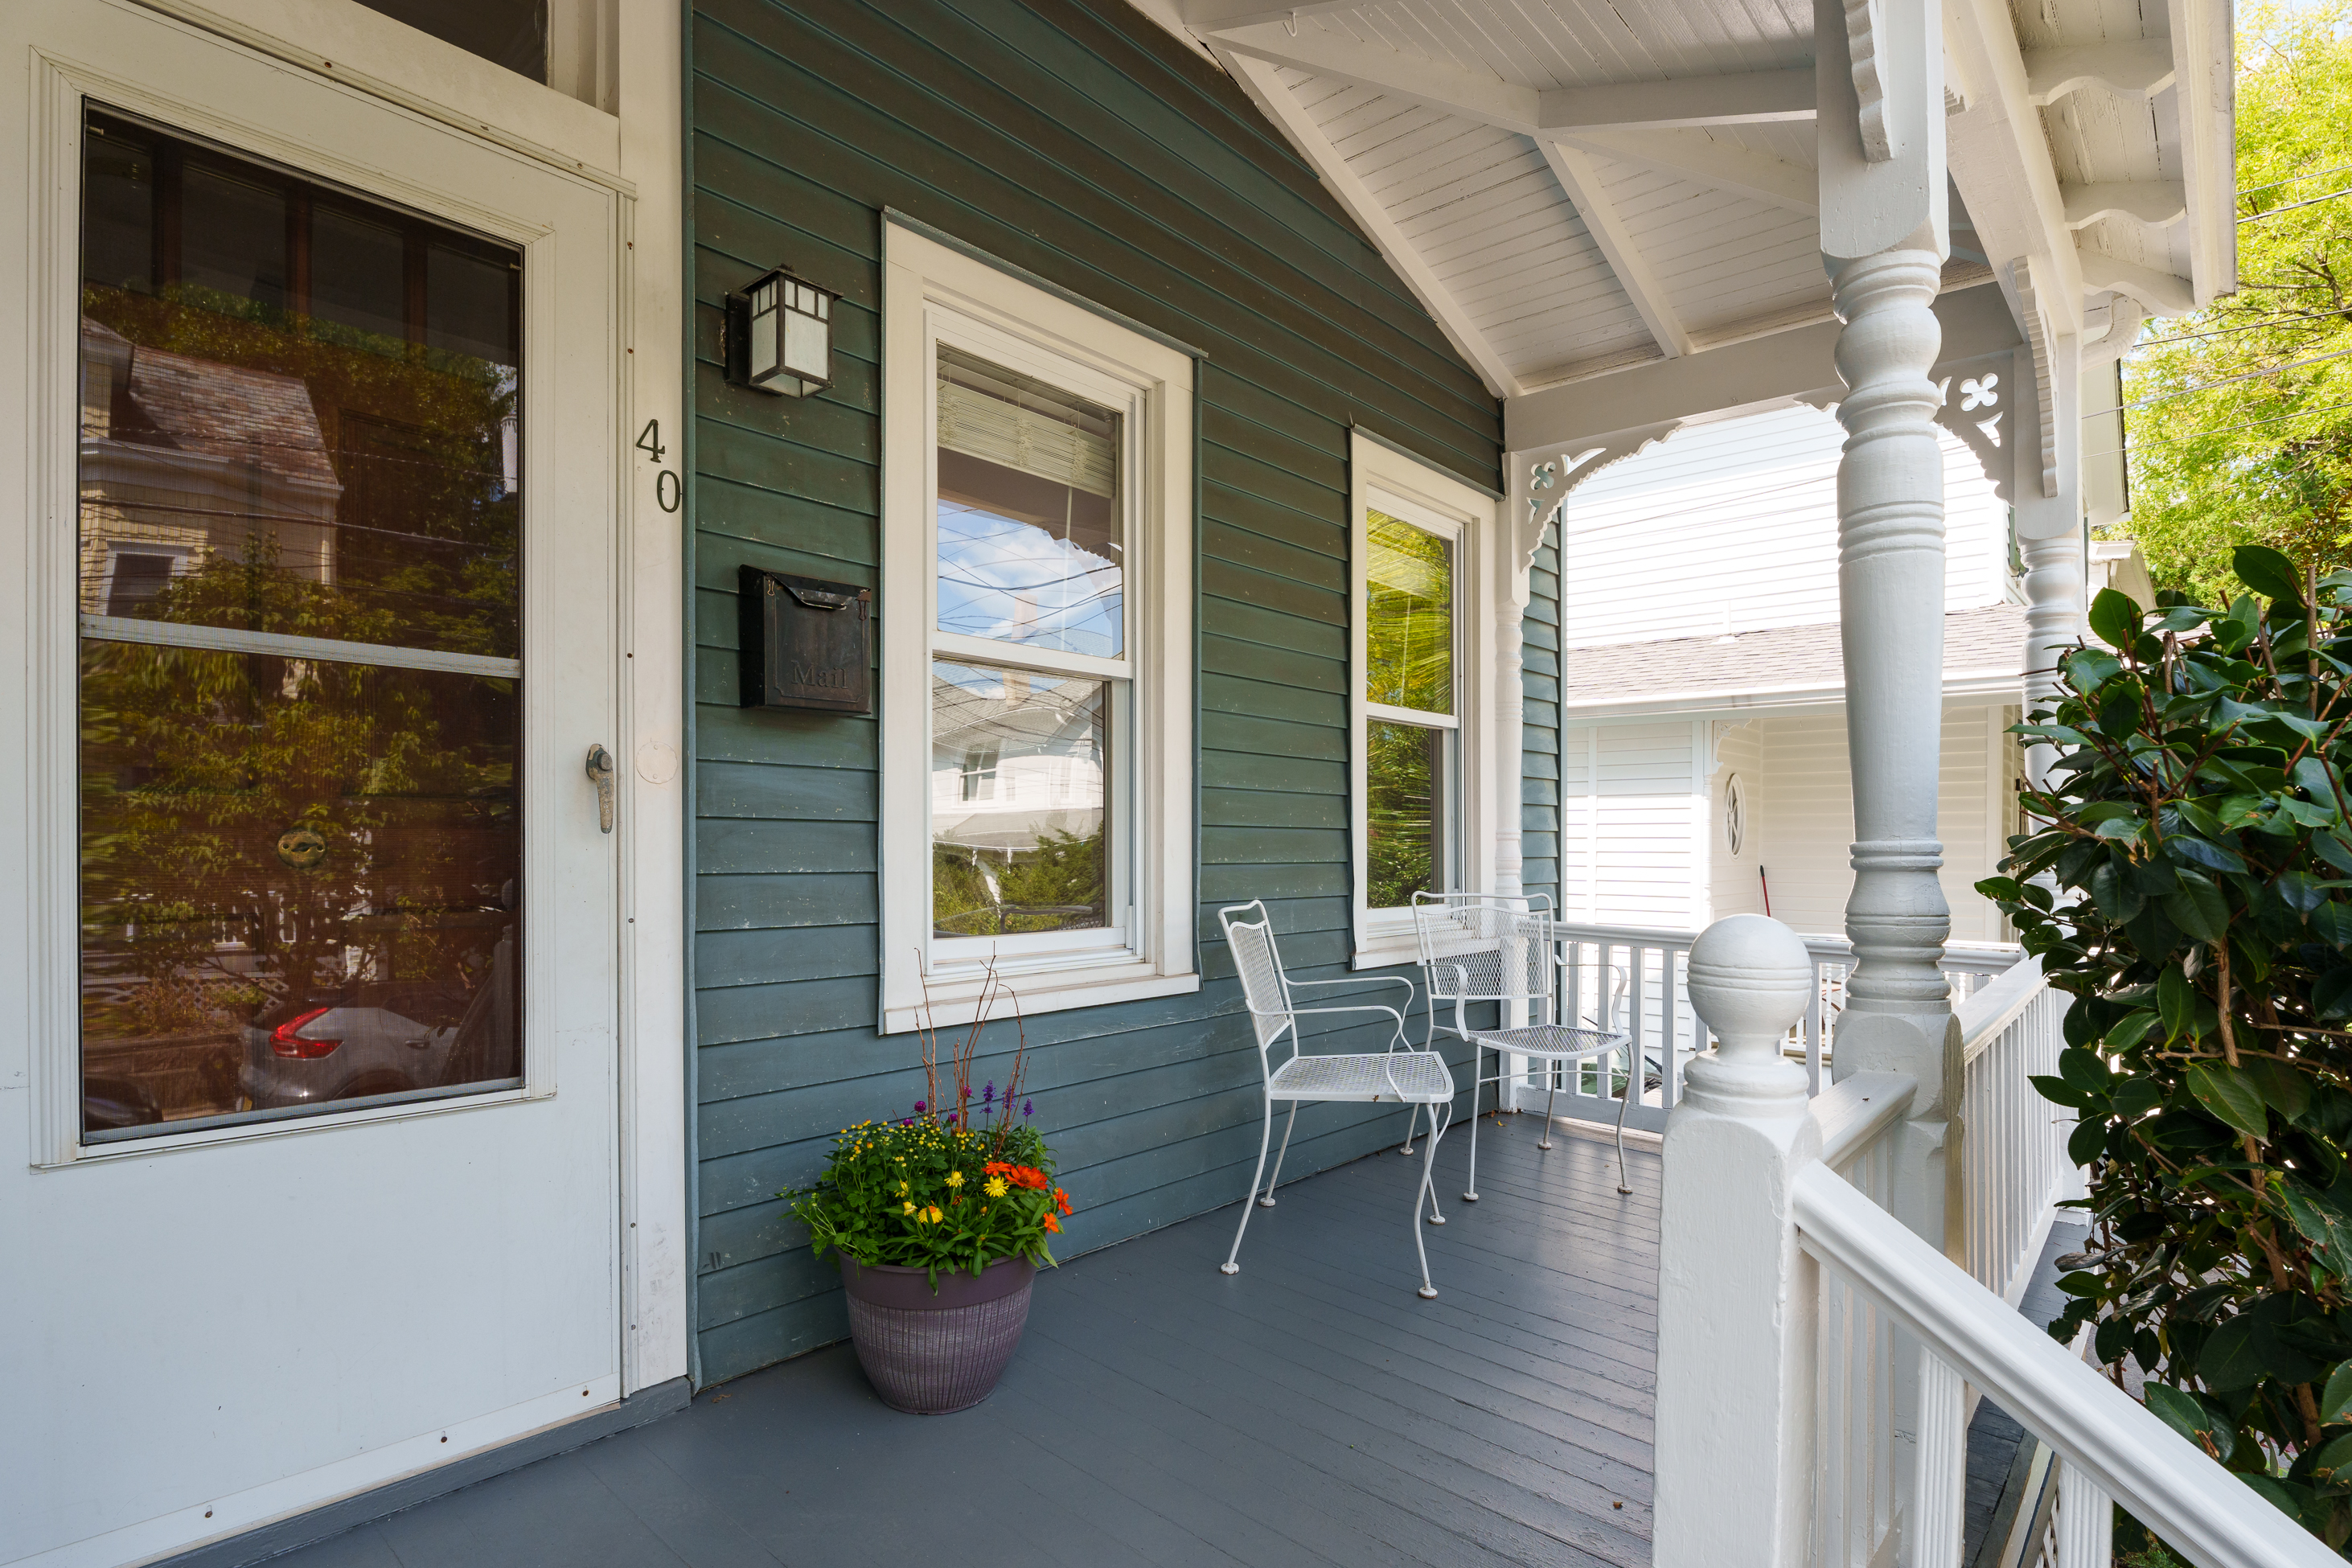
x: 2187, y: 882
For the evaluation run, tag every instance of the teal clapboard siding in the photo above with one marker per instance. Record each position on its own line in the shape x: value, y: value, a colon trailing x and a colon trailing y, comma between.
x: 1074, y: 139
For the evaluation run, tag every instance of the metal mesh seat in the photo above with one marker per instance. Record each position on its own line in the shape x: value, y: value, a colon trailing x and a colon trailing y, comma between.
x: 1399, y: 1074
x: 1478, y: 947
x: 1416, y: 1078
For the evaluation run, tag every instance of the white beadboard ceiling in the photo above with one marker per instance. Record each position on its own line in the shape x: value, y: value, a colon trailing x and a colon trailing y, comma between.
x: 1577, y: 187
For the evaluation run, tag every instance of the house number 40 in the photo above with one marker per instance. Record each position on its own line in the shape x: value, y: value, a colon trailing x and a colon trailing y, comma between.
x: 668, y: 489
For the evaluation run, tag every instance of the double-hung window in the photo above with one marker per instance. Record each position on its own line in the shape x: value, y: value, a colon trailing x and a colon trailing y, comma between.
x: 1037, y: 725
x: 1424, y: 693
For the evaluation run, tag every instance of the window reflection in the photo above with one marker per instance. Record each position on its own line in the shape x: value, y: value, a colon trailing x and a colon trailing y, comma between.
x: 1409, y: 638
x: 1018, y: 806
x: 1408, y: 816
x: 301, y: 700
x: 1031, y: 549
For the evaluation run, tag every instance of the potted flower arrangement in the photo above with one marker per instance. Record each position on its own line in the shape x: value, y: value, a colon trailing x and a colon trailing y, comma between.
x: 939, y: 1221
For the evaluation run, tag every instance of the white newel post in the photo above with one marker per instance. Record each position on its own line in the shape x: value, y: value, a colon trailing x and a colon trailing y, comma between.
x: 1886, y: 231
x: 1733, y: 1446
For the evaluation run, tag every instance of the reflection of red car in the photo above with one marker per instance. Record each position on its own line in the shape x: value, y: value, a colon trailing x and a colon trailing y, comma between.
x: 364, y: 1039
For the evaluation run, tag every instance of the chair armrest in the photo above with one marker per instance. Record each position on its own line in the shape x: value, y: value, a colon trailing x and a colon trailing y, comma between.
x: 1395, y: 1038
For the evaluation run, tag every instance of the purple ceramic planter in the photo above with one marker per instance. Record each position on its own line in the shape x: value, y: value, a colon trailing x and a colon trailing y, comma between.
x: 931, y: 1353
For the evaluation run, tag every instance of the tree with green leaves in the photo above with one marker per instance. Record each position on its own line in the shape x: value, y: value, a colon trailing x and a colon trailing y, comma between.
x: 2187, y: 879
x: 2239, y: 418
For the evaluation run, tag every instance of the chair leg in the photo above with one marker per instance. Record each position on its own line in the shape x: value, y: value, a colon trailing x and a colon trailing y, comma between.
x: 1631, y: 1087
x: 1232, y: 1264
x: 1551, y: 1097
x: 1477, y: 1069
x: 1428, y: 1186
x: 1268, y: 1201
x: 1412, y: 1120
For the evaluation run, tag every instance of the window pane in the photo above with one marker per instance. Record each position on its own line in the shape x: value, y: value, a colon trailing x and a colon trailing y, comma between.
x: 347, y: 474
x: 300, y: 878
x: 1030, y: 548
x: 299, y: 882
x: 1019, y: 806
x: 1409, y: 630
x: 511, y: 32
x: 1408, y: 813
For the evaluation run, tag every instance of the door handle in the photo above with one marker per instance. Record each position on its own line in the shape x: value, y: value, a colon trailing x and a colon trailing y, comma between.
x: 600, y: 773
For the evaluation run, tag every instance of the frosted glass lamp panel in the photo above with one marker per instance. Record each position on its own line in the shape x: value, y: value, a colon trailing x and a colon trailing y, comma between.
x: 1019, y: 803
x: 1409, y: 616
x: 1031, y: 528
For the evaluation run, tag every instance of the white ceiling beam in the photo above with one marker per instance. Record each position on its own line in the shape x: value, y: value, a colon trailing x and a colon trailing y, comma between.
x: 1754, y: 372
x: 1574, y: 169
x: 2000, y: 158
x: 2136, y: 69
x: 1721, y: 165
x: 1740, y: 97
x: 2159, y: 203
x: 1745, y: 97
x: 2207, y: 102
x: 2163, y: 293
x: 1257, y: 79
x: 1208, y: 16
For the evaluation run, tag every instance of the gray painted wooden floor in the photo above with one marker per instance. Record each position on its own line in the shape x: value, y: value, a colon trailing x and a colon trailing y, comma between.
x: 1310, y: 1410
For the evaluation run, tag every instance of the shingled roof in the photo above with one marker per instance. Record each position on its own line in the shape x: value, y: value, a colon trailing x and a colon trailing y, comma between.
x: 1978, y: 643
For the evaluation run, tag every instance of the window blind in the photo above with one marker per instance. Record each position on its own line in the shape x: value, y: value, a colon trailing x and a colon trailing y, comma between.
x: 1018, y: 421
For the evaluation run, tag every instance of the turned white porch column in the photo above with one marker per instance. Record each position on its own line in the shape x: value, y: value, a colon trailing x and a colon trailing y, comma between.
x: 2048, y: 512
x: 1885, y: 235
x: 1736, y: 1295
x: 1885, y: 219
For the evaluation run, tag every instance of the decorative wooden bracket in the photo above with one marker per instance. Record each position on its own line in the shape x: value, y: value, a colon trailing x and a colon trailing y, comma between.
x: 1550, y: 477
x: 1863, y: 24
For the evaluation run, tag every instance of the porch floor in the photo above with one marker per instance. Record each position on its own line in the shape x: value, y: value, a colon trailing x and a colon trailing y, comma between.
x: 1312, y: 1410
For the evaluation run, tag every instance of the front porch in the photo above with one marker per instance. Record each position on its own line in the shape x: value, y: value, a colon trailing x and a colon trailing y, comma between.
x: 1310, y: 1410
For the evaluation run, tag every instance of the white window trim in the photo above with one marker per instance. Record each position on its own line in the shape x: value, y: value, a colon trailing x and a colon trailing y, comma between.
x: 929, y: 289
x: 1429, y: 496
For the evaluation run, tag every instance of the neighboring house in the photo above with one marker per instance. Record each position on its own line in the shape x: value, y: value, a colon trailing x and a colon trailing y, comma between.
x: 427, y: 969
x: 1703, y: 765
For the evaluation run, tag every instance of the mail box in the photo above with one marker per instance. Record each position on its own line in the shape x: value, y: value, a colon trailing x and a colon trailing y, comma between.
x: 806, y: 642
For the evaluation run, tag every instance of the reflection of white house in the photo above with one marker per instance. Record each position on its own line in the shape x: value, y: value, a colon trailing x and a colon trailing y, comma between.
x: 186, y: 457
x: 1009, y: 767
x: 1703, y: 767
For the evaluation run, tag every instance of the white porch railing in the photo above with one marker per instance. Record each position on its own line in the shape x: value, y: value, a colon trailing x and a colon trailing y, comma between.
x: 1655, y: 1011
x: 1813, y: 1351
x: 2013, y: 1142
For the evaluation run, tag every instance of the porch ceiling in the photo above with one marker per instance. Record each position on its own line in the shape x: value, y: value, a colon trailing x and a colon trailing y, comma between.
x: 1573, y: 187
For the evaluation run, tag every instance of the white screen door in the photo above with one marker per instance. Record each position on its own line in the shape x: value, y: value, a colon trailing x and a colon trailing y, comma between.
x: 322, y: 1184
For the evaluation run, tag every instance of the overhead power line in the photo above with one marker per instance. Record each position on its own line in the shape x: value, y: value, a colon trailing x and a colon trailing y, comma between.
x: 2231, y: 380
x: 2294, y: 179
x: 2273, y: 212
x: 2225, y: 429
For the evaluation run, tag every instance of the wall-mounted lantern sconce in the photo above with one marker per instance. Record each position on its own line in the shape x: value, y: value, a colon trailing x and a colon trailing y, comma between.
x: 779, y: 335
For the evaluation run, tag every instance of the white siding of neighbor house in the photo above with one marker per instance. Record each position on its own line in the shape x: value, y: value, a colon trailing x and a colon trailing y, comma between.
x: 1731, y: 878
x: 1732, y: 527
x: 1646, y: 847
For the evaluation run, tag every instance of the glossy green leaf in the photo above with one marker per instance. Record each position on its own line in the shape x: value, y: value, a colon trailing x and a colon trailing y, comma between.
x: 2267, y: 573
x: 2230, y: 1094
x: 2189, y: 1415
x: 2326, y: 1226
x: 2336, y: 1400
x: 2176, y: 1002
x: 2115, y: 617
x: 2283, y: 1087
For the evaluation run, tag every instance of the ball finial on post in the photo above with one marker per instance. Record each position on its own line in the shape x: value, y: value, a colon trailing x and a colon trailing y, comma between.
x: 1750, y: 980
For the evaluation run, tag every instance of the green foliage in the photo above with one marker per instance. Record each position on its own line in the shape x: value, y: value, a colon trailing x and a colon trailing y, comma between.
x: 2266, y: 458
x: 2190, y: 882
x: 1403, y: 764
x: 938, y: 1190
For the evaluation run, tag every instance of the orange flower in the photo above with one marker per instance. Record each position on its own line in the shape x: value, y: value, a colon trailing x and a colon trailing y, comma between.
x: 1053, y: 1225
x: 1061, y: 1200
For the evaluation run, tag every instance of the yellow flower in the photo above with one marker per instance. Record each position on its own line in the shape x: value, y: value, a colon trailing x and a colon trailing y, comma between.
x: 934, y: 1213
x: 904, y: 1189
x: 955, y: 1178
x: 993, y: 1187
x: 906, y: 1208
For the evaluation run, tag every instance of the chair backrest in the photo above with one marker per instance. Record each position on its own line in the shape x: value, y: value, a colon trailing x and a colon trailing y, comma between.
x: 1260, y: 966
x: 1480, y: 947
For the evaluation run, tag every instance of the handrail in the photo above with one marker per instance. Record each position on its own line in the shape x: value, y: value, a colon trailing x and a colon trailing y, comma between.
x: 2196, y: 1507
x: 1984, y: 1014
x: 1977, y: 957
x: 1852, y: 1115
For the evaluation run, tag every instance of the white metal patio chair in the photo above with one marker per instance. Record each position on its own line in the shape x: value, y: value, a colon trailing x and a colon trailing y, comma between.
x: 1478, y: 947
x: 1411, y: 1077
